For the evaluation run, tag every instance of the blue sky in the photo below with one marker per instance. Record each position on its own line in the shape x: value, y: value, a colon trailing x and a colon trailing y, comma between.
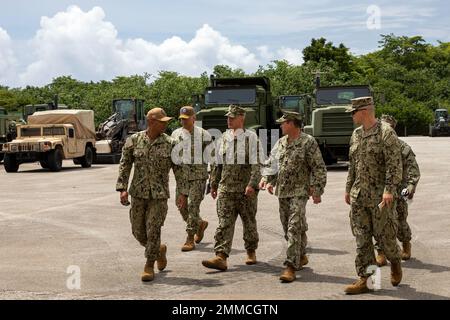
x: 94, y: 40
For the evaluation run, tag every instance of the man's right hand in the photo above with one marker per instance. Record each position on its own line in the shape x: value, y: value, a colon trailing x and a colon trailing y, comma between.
x: 269, y: 188
x: 124, y: 198
x: 347, y: 198
x: 213, y: 193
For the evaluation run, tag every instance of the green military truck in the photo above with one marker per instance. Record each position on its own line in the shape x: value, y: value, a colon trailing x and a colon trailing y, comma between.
x: 325, y: 117
x: 8, y: 122
x: 440, y: 126
x: 251, y: 93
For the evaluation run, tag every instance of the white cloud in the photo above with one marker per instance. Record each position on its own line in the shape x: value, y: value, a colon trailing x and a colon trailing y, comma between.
x: 7, y: 59
x: 86, y: 46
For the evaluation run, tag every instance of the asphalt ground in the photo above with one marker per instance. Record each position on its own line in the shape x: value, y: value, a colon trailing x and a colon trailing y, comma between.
x: 65, y: 235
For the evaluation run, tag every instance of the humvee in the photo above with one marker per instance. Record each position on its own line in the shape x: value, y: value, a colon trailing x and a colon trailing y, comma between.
x: 51, y: 136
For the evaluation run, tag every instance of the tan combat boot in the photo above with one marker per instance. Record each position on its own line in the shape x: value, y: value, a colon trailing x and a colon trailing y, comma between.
x: 219, y: 262
x: 189, y: 245
x: 396, y: 273
x: 162, y: 261
x: 304, y: 260
x: 148, y: 274
x: 358, y: 287
x: 288, y: 274
x: 201, y: 231
x: 251, y: 257
x: 406, y: 252
x: 381, y: 259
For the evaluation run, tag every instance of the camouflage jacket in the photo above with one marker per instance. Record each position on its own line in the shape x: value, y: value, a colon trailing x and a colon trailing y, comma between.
x: 411, y: 172
x: 295, y: 167
x: 193, y: 163
x: 237, y: 163
x: 152, y: 163
x: 375, y: 165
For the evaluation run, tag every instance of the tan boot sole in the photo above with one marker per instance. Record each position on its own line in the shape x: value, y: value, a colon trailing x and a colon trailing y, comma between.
x: 286, y: 279
x: 211, y: 265
x: 147, y: 277
x: 185, y: 249
x: 250, y: 262
x: 361, y: 291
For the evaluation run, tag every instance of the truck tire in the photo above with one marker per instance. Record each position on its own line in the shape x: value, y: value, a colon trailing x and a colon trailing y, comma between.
x: 10, y: 163
x: 44, y: 164
x: 88, y: 158
x: 54, y: 160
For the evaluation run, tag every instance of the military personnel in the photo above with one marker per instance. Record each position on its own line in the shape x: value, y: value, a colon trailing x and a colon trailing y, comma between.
x: 150, y: 152
x: 411, y: 176
x: 375, y: 173
x: 235, y: 177
x: 193, y: 139
x: 298, y: 171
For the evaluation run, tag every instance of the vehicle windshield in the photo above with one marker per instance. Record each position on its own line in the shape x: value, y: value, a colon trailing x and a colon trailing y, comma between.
x: 293, y: 104
x: 340, y: 95
x: 230, y: 96
x: 442, y: 113
x: 54, y: 131
x: 125, y: 108
x: 30, y: 132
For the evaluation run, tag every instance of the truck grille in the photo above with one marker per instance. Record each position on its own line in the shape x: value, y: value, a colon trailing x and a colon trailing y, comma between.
x: 27, y: 147
x: 214, y: 122
x: 337, y: 123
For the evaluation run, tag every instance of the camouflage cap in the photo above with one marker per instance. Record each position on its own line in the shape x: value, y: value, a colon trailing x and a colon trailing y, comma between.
x: 360, y: 103
x: 289, y: 115
x: 234, y: 110
x: 158, y: 114
x: 186, y: 112
x: 389, y: 119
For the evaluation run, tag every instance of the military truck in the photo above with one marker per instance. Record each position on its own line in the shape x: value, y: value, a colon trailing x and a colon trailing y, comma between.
x: 51, y: 136
x: 440, y: 125
x: 128, y: 117
x: 8, y: 122
x: 29, y: 109
x: 251, y: 93
x: 328, y: 122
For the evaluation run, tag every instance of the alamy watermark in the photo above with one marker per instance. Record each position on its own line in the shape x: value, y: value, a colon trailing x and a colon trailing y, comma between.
x: 73, y: 282
x: 373, y: 22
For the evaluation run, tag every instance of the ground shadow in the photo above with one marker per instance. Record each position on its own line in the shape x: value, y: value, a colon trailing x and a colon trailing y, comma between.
x: 209, y: 247
x: 404, y: 291
x: 63, y: 169
x: 163, y: 277
x: 414, y: 263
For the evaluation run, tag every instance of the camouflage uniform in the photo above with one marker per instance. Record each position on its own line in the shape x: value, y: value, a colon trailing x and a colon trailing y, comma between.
x: 294, y: 168
x: 149, y: 188
x: 375, y: 168
x: 411, y: 176
x: 196, y: 173
x: 231, y: 180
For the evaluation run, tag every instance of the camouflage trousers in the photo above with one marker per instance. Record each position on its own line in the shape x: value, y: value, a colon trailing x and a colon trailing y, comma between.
x: 191, y: 214
x: 229, y: 206
x: 293, y: 220
x: 147, y: 217
x: 404, y: 231
x: 368, y: 221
